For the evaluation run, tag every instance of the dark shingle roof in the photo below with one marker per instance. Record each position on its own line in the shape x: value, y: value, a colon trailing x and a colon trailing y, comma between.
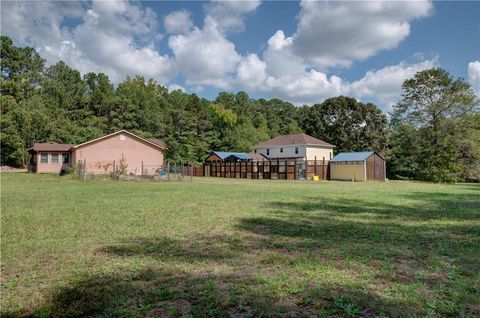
x: 352, y: 156
x: 157, y: 141
x: 51, y: 147
x: 294, y: 139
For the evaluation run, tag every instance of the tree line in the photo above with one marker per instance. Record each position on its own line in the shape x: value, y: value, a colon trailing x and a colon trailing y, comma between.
x: 433, y: 133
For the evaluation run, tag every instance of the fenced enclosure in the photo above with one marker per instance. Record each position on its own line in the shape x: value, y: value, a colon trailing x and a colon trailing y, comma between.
x: 281, y: 169
x: 103, y: 170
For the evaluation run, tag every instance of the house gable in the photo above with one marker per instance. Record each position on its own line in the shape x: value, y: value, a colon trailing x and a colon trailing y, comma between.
x: 156, y: 143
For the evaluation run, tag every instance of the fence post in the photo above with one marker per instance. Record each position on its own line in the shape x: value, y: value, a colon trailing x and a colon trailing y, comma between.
x: 114, y: 167
x: 168, y: 171
x: 315, y: 167
x: 323, y: 169
x: 191, y: 171
x: 84, y: 169
x: 263, y: 169
x: 141, y: 175
x: 278, y: 168
x: 251, y: 171
x: 295, y: 172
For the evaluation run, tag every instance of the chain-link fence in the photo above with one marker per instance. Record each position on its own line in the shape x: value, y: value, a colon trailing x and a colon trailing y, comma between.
x: 102, y: 170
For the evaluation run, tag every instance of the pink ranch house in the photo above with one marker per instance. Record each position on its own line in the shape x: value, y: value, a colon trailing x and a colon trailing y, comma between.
x: 102, y: 155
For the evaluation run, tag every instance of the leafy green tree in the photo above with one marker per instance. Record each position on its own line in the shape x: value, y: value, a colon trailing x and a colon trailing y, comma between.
x: 223, y: 120
x: 467, y: 140
x: 100, y: 94
x: 20, y: 69
x: 282, y: 117
x: 137, y: 105
x: 65, y: 90
x: 25, y: 123
x: 434, y: 106
x: 347, y: 123
x: 246, y: 134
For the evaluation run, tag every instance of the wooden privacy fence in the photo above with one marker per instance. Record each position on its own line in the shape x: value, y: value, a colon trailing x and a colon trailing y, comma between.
x: 282, y: 169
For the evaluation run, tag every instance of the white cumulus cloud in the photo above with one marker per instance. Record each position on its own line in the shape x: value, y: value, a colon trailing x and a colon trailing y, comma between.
x: 178, y: 22
x: 205, y: 56
x: 229, y: 15
x: 337, y: 33
x: 382, y: 86
x: 474, y: 75
x: 113, y: 37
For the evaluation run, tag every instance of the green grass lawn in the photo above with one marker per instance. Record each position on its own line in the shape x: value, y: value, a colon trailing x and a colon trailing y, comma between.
x: 223, y: 247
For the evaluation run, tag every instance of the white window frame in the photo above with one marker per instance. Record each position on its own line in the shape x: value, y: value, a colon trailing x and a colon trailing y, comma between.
x: 54, y: 155
x: 41, y: 157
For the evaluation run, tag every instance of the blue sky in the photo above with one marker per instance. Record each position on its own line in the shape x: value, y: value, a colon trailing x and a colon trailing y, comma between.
x: 302, y: 52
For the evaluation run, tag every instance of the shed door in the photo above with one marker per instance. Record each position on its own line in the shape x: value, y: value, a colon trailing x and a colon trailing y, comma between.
x: 371, y: 168
x: 379, y: 169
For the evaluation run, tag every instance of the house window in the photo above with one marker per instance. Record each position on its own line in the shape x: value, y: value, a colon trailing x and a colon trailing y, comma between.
x: 122, y: 137
x: 44, y: 157
x: 54, y: 158
x: 296, y: 150
x: 255, y: 151
x: 268, y: 152
x: 66, y: 158
x: 281, y: 150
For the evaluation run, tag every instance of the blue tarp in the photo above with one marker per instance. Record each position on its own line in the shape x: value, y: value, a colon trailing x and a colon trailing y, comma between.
x: 239, y: 155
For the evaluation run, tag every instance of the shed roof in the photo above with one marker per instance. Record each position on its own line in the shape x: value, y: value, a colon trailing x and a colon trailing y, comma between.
x: 352, y: 156
x: 50, y: 147
x: 293, y: 139
x: 223, y: 155
x: 257, y: 156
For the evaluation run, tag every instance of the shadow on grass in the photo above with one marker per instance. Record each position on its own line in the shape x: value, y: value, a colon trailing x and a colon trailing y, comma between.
x: 196, y: 249
x: 419, y: 206
x: 332, y: 258
x: 160, y: 293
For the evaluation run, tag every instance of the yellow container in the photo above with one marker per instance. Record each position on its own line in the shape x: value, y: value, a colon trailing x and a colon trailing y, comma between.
x: 315, y: 178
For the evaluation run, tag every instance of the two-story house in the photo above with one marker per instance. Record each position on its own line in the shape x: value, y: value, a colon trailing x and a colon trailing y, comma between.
x: 295, y: 146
